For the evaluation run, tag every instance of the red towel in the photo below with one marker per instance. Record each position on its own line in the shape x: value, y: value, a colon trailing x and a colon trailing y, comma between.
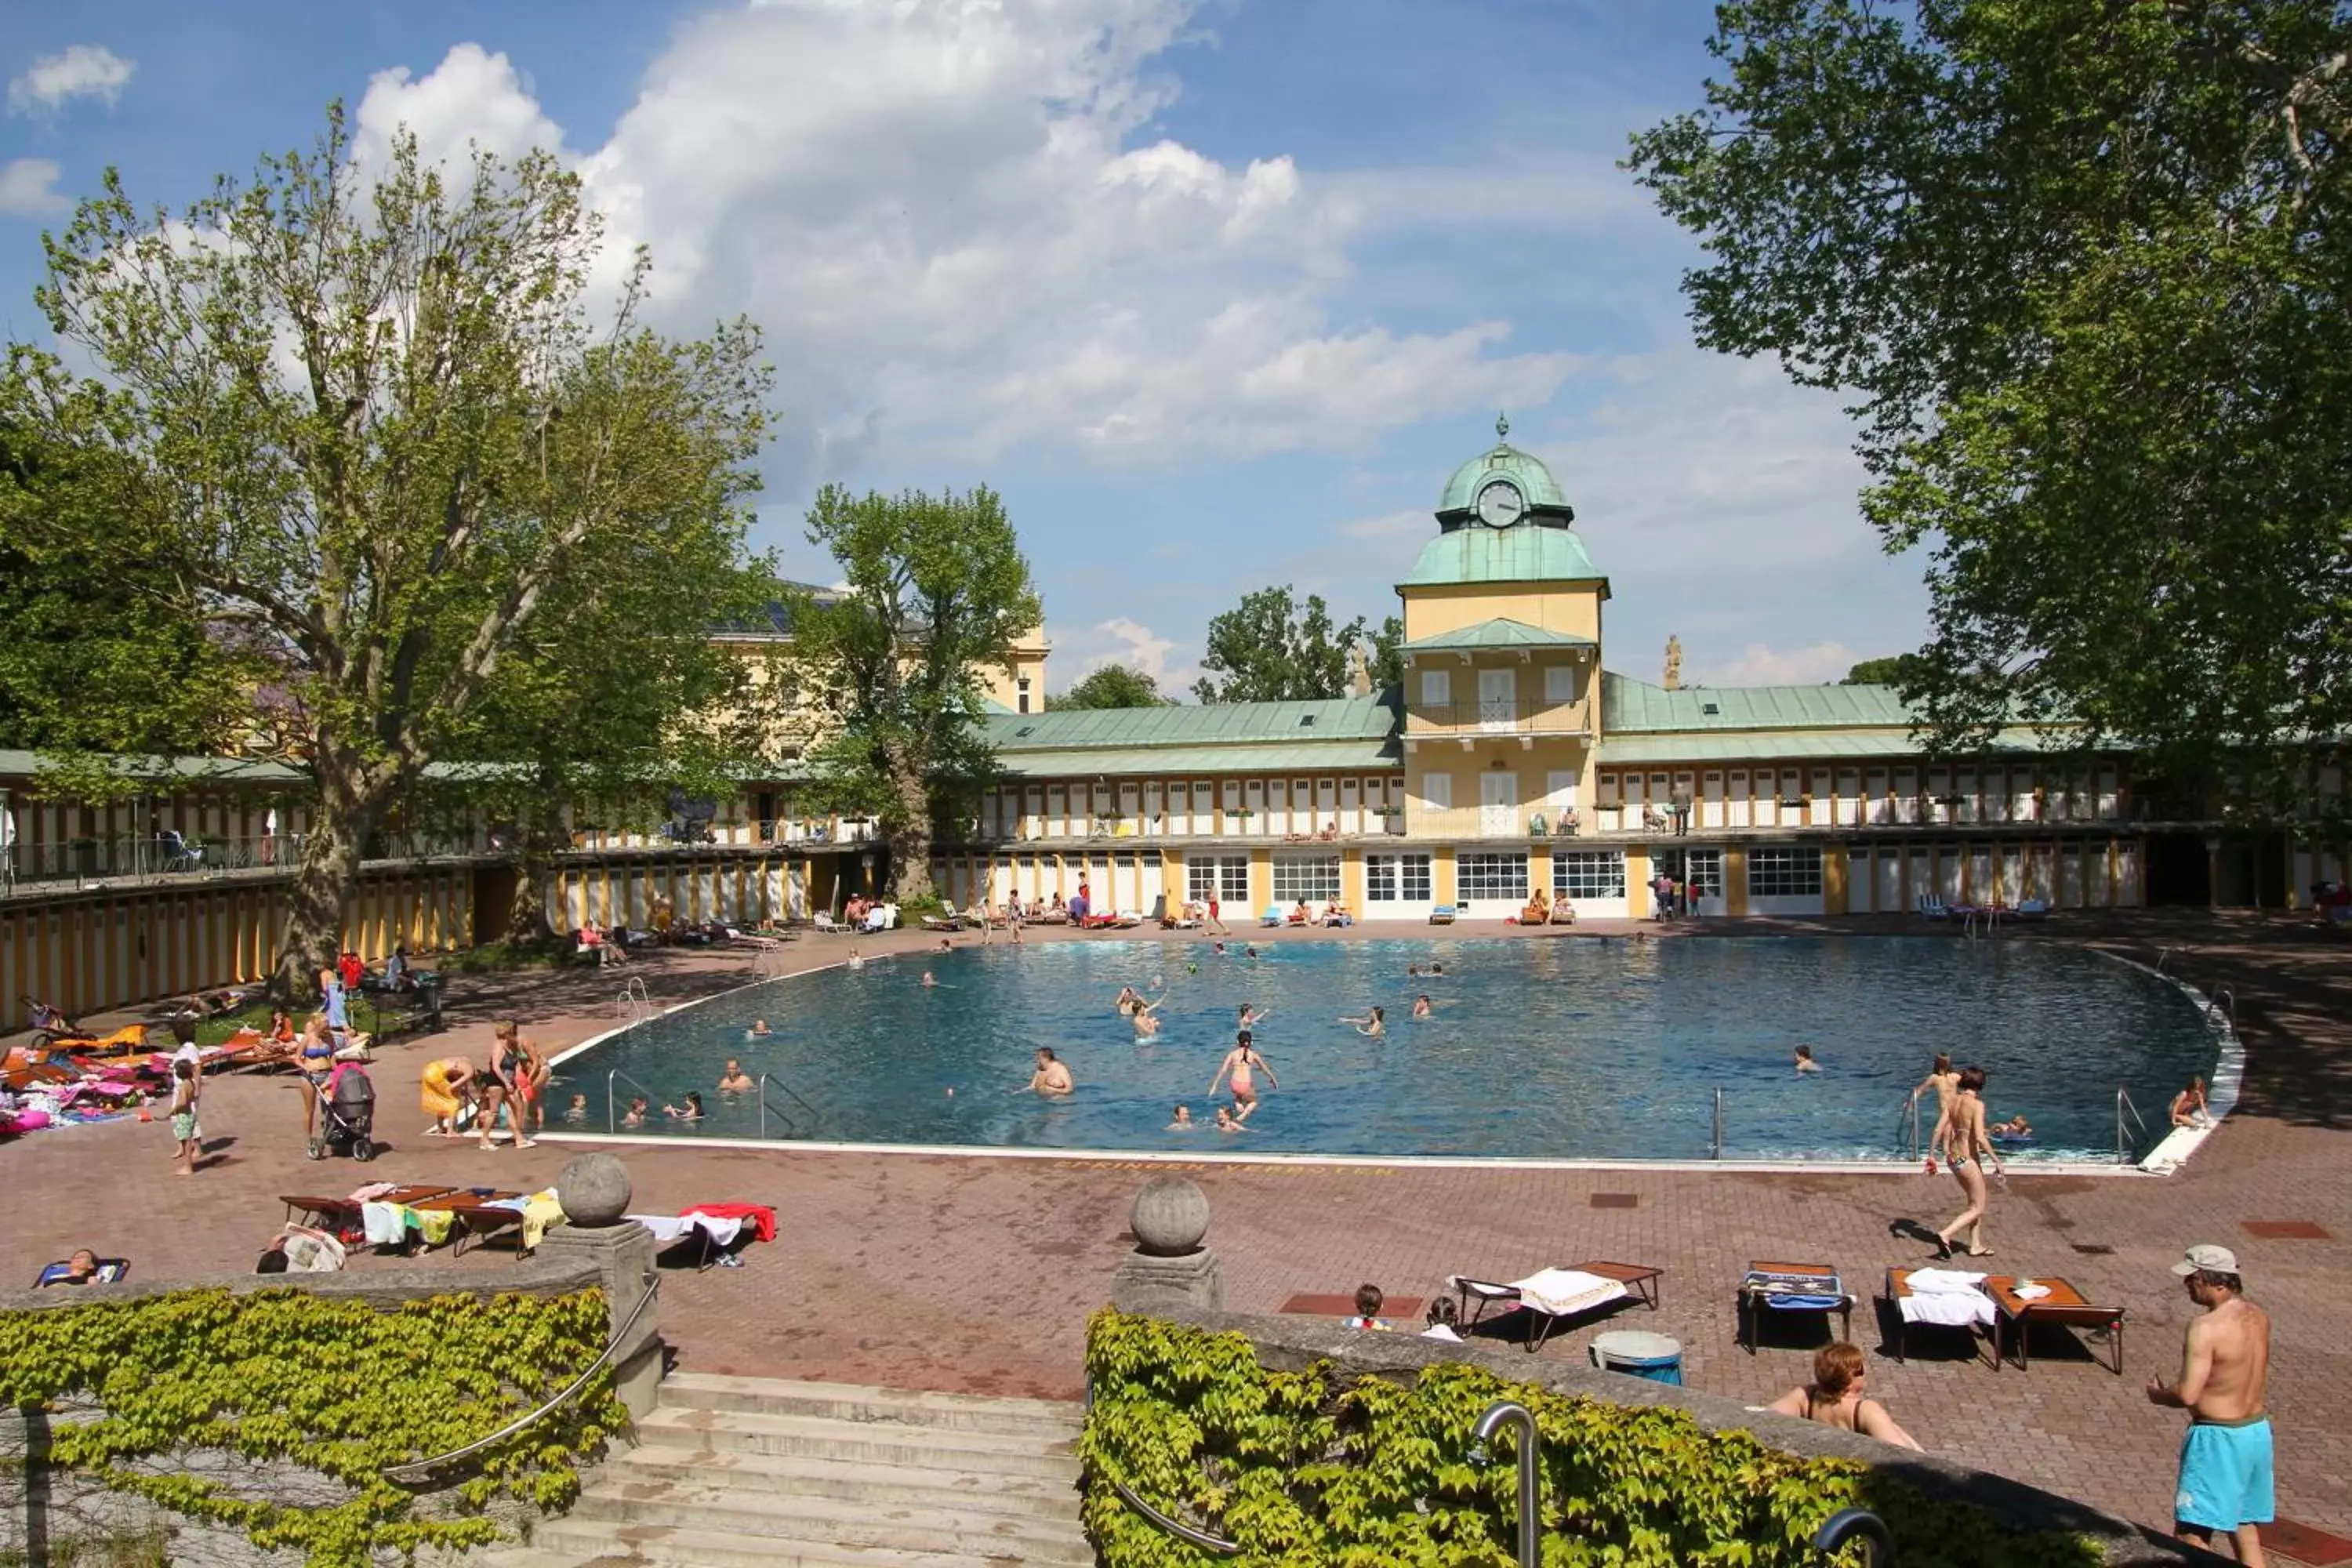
x: 763, y: 1217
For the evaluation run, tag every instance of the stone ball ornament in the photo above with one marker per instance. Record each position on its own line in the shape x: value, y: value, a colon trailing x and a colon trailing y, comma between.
x: 593, y: 1190
x: 1170, y: 1218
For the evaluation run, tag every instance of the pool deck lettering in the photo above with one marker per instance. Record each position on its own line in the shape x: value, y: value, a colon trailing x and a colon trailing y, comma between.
x: 941, y: 1269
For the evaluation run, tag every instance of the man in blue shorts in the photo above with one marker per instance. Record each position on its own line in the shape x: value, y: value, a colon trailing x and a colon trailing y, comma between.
x: 2225, y: 1458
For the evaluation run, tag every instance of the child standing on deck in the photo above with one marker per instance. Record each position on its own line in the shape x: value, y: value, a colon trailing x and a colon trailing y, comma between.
x: 183, y: 1115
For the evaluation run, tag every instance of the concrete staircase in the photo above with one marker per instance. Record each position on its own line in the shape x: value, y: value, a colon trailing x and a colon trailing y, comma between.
x: 739, y: 1472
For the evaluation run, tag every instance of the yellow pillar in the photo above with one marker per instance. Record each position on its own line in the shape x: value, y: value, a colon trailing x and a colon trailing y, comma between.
x: 1637, y: 882
x: 1835, y: 898
x: 1261, y: 877
x: 1441, y: 874
x: 1351, y: 879
x: 1734, y: 880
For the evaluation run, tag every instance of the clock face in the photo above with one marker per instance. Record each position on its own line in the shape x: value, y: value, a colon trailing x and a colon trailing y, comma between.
x: 1499, y: 504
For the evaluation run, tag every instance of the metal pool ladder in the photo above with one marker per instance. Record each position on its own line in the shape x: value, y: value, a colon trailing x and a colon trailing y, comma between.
x: 2125, y: 1107
x: 791, y: 1129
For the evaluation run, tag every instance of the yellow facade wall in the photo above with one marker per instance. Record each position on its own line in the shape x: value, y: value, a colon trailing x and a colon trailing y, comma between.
x: 1567, y: 608
x: 1834, y: 896
x: 1734, y: 880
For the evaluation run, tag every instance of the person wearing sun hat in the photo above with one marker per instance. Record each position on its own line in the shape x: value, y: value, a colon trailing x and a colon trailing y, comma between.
x: 2225, y: 1457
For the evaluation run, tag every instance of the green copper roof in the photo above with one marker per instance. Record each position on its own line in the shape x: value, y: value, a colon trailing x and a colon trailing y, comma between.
x: 1356, y: 754
x: 1502, y: 461
x: 1784, y: 745
x: 1627, y: 704
x: 1522, y: 552
x: 1499, y: 633
x: 1225, y: 723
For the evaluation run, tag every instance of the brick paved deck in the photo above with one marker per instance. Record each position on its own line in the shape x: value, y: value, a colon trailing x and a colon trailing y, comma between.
x: 975, y: 1273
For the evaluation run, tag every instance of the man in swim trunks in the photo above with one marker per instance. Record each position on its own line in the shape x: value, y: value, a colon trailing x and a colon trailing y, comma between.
x: 2225, y: 1457
x: 735, y: 1080
x: 1238, y: 1066
x: 1051, y: 1078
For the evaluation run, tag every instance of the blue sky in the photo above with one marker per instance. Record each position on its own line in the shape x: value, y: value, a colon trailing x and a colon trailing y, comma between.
x: 1216, y: 294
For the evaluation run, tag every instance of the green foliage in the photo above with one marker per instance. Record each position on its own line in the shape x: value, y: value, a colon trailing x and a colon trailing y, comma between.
x: 1894, y: 670
x: 2084, y: 272
x: 1304, y: 1470
x: 366, y: 427
x: 1271, y: 649
x: 287, y: 1377
x: 1114, y: 685
x: 145, y: 1549
x: 936, y: 593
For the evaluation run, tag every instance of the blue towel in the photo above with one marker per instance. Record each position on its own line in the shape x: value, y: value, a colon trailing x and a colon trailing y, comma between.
x: 1798, y: 1292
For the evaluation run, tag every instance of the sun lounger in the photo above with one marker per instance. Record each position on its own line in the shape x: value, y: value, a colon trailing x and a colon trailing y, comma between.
x: 1441, y: 914
x: 1270, y: 916
x: 340, y: 1213
x: 827, y: 925
x: 109, y: 1271
x: 1556, y: 1295
x: 1953, y: 1303
x: 478, y: 1213
x: 1779, y: 1287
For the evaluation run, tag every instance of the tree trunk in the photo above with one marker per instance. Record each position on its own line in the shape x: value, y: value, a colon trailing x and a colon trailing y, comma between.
x: 910, y: 842
x: 321, y: 892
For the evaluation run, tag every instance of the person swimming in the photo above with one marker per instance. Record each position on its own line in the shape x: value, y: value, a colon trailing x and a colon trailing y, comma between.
x: 1413, y: 971
x: 637, y: 1112
x: 759, y: 1029
x: 1051, y: 1076
x: 690, y: 1112
x: 577, y: 1111
x: 1371, y: 1024
x: 1420, y: 1007
x: 1128, y: 1001
x: 735, y: 1080
x: 1228, y: 1122
x: 1805, y: 1062
x: 928, y: 978
x: 1145, y: 1019
x: 2016, y: 1130
x: 856, y: 959
x: 1184, y: 1122
x: 1250, y: 1017
x: 1240, y: 1066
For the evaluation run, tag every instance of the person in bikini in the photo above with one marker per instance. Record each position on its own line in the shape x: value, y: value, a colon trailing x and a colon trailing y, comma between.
x: 2225, y: 1455
x: 1373, y: 1024
x: 1969, y: 1148
x: 1834, y: 1398
x: 1239, y: 1066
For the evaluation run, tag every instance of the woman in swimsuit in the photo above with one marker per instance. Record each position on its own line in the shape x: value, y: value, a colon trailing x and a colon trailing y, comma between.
x: 1238, y: 1066
x: 444, y: 1086
x: 1420, y: 1007
x: 315, y: 1056
x: 1968, y: 1147
x: 1371, y: 1023
x: 1146, y: 1025
x: 525, y: 1073
x: 1834, y: 1398
x: 1129, y: 1001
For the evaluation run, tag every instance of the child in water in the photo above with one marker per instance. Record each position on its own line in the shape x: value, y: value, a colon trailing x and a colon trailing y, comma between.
x: 637, y: 1112
x: 1184, y: 1122
x: 1805, y: 1062
x: 690, y: 1112
x: 1420, y: 1008
x: 578, y: 1110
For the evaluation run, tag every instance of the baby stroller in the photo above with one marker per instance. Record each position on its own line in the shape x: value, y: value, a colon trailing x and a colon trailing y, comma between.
x: 346, y: 1115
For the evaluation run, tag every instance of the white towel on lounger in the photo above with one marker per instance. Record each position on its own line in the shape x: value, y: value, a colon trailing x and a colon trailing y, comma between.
x: 1946, y: 1296
x: 1565, y: 1292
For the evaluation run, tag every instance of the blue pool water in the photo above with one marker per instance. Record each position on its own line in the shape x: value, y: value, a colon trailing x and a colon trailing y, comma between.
x: 1578, y: 1048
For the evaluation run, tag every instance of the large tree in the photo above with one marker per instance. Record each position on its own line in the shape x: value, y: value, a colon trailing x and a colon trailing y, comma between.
x: 935, y: 593
x: 2084, y: 272
x: 1273, y: 648
x: 1114, y: 685
x: 364, y: 415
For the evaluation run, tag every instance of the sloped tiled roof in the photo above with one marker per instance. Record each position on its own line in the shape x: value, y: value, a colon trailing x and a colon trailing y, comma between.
x: 1628, y: 705
x: 1223, y: 723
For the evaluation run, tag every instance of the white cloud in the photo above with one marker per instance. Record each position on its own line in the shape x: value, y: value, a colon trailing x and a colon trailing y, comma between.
x: 82, y: 70
x: 28, y: 188
x: 1390, y: 525
x: 968, y: 243
x: 1131, y: 643
x: 1758, y: 665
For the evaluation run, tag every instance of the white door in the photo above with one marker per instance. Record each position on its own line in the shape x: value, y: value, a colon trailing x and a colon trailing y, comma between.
x: 1154, y: 883
x: 1154, y: 822
x: 1351, y: 817
x: 1277, y: 806
x: 1499, y: 706
x: 1327, y: 803
x: 1711, y: 808
x: 1740, y: 800
x: 1498, y: 801
x: 1890, y: 882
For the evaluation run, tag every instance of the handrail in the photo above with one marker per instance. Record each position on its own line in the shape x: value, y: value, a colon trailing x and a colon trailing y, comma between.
x: 1878, y: 1541
x: 767, y: 1079
x: 2163, y: 957
x: 417, y: 1470
x: 1192, y: 1534
x: 2213, y: 1003
x: 611, y: 1120
x: 2123, y: 1104
x: 1717, y: 1149
x: 1530, y: 1534
x: 1911, y: 1114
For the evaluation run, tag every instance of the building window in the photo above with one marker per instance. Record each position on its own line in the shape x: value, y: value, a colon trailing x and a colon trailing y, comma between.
x: 1314, y: 879
x: 1787, y: 871
x: 1559, y: 683
x: 1024, y: 694
x: 1436, y: 689
x: 1486, y: 874
x: 1225, y: 878
x: 1703, y: 869
x: 1396, y: 879
x: 1437, y: 790
x: 1588, y: 874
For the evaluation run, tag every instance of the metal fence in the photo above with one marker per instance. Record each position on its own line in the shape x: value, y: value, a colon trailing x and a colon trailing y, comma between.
x: 162, y: 857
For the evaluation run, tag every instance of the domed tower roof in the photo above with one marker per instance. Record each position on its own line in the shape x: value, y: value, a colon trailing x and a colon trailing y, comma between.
x: 1503, y: 461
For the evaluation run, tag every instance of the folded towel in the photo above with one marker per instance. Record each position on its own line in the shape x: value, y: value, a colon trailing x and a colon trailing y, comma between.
x: 539, y: 1211
x: 1564, y: 1291
x: 1936, y: 1282
x: 666, y: 1228
x: 387, y: 1224
x: 2031, y: 1292
x: 1953, y: 1309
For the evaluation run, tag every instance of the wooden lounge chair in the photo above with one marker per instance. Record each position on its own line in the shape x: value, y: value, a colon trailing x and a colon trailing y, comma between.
x: 1441, y: 914
x: 473, y: 1217
x: 1771, y: 1285
x: 334, y: 1214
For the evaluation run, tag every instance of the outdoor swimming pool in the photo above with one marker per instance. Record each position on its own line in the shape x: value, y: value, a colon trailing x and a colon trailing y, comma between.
x: 1578, y: 1048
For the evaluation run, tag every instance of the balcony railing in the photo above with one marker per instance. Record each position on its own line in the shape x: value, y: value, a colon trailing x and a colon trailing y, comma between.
x: 1500, y: 717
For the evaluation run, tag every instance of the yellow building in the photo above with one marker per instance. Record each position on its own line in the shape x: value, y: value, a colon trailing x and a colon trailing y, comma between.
x: 1512, y: 761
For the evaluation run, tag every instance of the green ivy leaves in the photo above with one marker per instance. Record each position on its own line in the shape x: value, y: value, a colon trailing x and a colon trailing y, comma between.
x: 330, y: 1385
x: 1305, y: 1472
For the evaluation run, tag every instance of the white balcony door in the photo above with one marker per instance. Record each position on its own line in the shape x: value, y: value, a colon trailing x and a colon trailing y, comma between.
x: 1499, y: 706
x: 1350, y: 815
x: 1499, y: 802
x: 1327, y: 803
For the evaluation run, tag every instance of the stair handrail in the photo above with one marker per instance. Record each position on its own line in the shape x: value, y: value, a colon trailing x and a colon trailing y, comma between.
x: 1191, y: 1534
x: 417, y: 1470
x: 1911, y: 1115
x: 1878, y: 1542
x: 2213, y: 1003
x: 1530, y: 1523
x: 611, y: 1120
x: 1716, y: 1149
x: 764, y: 1080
